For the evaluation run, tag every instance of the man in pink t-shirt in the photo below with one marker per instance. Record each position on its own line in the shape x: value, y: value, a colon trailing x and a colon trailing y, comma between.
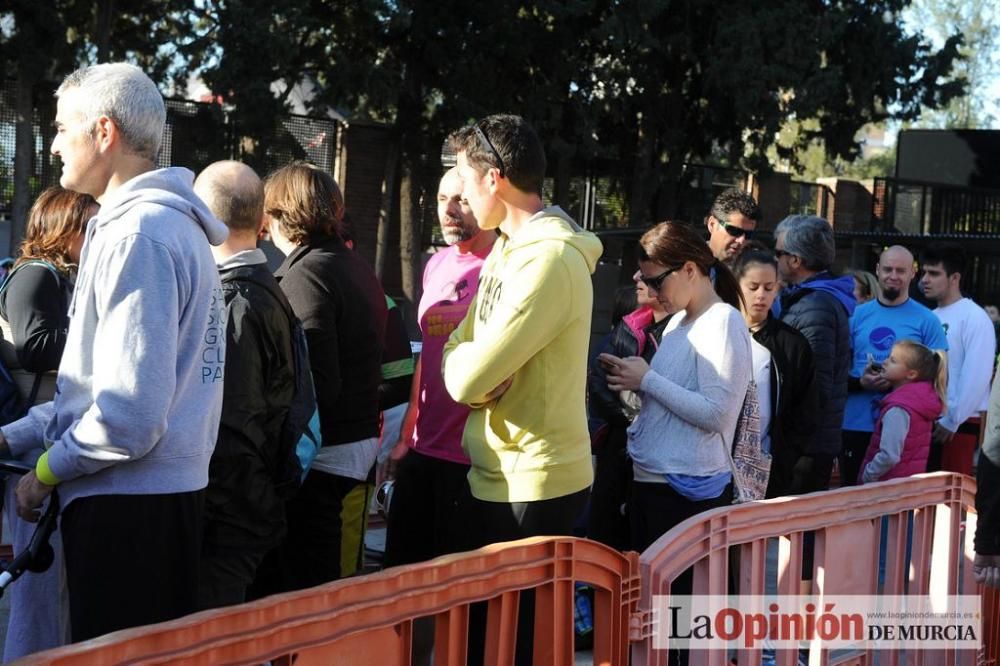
x: 430, y: 465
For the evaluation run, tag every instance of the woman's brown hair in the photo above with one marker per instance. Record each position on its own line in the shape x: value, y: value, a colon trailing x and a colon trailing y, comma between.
x: 672, y: 244
x: 305, y: 201
x: 56, y: 220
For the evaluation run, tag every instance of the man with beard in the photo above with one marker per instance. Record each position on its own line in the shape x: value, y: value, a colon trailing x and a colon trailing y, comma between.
x: 430, y: 464
x: 875, y: 327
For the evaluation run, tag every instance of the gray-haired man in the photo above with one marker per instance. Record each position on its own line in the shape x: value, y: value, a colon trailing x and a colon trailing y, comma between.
x: 131, y: 430
x: 819, y: 305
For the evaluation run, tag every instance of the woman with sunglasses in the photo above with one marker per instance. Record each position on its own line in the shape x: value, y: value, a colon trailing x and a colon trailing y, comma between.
x: 636, y: 334
x: 693, y: 389
x: 783, y: 370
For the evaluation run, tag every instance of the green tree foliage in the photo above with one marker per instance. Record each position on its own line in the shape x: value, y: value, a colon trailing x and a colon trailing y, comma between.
x: 690, y: 77
x: 645, y: 85
x: 978, y: 22
x: 45, y: 40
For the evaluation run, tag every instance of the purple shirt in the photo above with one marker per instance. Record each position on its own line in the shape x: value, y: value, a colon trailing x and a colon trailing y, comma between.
x: 450, y: 282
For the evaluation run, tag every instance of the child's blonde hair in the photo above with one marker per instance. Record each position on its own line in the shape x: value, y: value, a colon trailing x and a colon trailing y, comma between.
x: 930, y: 365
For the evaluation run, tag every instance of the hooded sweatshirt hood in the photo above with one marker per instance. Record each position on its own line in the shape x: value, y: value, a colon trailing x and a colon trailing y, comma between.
x: 554, y: 224
x: 172, y: 188
x: 841, y: 288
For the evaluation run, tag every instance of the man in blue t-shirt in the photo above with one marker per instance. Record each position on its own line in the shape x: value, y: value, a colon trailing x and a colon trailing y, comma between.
x: 875, y: 327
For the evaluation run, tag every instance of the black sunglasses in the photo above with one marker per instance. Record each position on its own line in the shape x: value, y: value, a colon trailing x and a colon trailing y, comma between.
x: 735, y: 231
x: 654, y: 283
x: 486, y: 143
x: 778, y: 254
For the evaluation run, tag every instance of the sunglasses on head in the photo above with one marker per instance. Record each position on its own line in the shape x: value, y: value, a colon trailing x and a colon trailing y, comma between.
x: 735, y: 231
x: 654, y: 283
x: 485, y: 142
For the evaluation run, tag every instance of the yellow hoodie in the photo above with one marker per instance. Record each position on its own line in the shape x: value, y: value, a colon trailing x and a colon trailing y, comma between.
x: 530, y: 320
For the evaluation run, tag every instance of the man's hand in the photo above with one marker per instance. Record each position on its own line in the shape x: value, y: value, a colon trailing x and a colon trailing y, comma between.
x: 398, y: 452
x: 30, y: 494
x: 941, y: 434
x: 624, y: 374
x: 873, y: 380
x: 986, y: 569
x: 500, y: 390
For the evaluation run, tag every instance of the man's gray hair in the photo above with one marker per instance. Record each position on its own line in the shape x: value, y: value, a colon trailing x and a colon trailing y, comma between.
x: 125, y: 94
x: 810, y: 238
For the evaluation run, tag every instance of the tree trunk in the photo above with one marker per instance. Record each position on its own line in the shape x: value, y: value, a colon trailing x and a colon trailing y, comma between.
x: 561, y: 179
x: 105, y: 11
x: 389, y: 185
x: 641, y: 197
x: 24, y: 152
x: 409, y: 234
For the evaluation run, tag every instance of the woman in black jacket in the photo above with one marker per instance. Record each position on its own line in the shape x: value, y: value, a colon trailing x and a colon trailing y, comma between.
x: 340, y: 303
x: 34, y: 306
x: 637, y: 334
x: 783, y: 370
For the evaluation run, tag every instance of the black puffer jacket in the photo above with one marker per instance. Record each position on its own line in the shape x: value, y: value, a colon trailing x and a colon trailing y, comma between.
x: 793, y: 403
x: 242, y: 510
x: 343, y: 311
x: 824, y: 321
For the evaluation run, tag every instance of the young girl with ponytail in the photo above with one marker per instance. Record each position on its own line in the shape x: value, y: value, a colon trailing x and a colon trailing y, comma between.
x: 902, y: 439
x: 692, y: 390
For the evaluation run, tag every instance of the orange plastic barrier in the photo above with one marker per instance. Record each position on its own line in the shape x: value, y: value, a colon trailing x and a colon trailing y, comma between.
x: 848, y: 532
x: 369, y: 619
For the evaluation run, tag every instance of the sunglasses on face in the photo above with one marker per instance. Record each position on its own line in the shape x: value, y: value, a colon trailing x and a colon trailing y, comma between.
x: 654, y: 283
x: 735, y: 231
x: 778, y: 254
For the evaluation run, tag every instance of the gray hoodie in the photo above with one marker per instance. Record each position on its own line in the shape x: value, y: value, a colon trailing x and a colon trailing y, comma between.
x: 139, y: 390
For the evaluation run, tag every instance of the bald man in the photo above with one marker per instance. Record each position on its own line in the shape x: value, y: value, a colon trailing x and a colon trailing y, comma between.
x: 244, y: 513
x: 875, y: 327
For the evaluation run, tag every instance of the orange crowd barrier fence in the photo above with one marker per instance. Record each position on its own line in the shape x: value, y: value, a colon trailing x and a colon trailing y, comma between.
x: 370, y: 619
x: 922, y: 525
x: 910, y: 536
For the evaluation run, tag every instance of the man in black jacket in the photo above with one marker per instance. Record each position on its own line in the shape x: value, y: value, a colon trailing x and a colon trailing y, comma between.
x: 818, y: 305
x: 244, y: 515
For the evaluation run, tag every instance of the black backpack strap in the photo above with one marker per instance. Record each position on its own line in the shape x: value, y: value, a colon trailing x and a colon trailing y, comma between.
x: 275, y: 293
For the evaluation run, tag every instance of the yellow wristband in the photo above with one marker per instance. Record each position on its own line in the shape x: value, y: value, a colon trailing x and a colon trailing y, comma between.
x: 43, y: 472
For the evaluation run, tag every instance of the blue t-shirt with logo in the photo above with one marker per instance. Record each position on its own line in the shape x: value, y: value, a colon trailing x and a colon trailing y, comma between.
x: 875, y: 328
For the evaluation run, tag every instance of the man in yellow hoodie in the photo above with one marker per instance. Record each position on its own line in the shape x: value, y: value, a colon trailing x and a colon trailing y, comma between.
x: 519, y: 357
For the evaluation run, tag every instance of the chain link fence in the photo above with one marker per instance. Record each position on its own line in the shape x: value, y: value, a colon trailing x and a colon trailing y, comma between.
x: 196, y: 134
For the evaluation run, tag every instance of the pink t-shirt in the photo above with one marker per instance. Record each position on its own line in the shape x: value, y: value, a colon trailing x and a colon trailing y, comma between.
x: 450, y: 282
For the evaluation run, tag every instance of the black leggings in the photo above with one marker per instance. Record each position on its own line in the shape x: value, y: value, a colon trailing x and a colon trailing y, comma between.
x: 656, y: 508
